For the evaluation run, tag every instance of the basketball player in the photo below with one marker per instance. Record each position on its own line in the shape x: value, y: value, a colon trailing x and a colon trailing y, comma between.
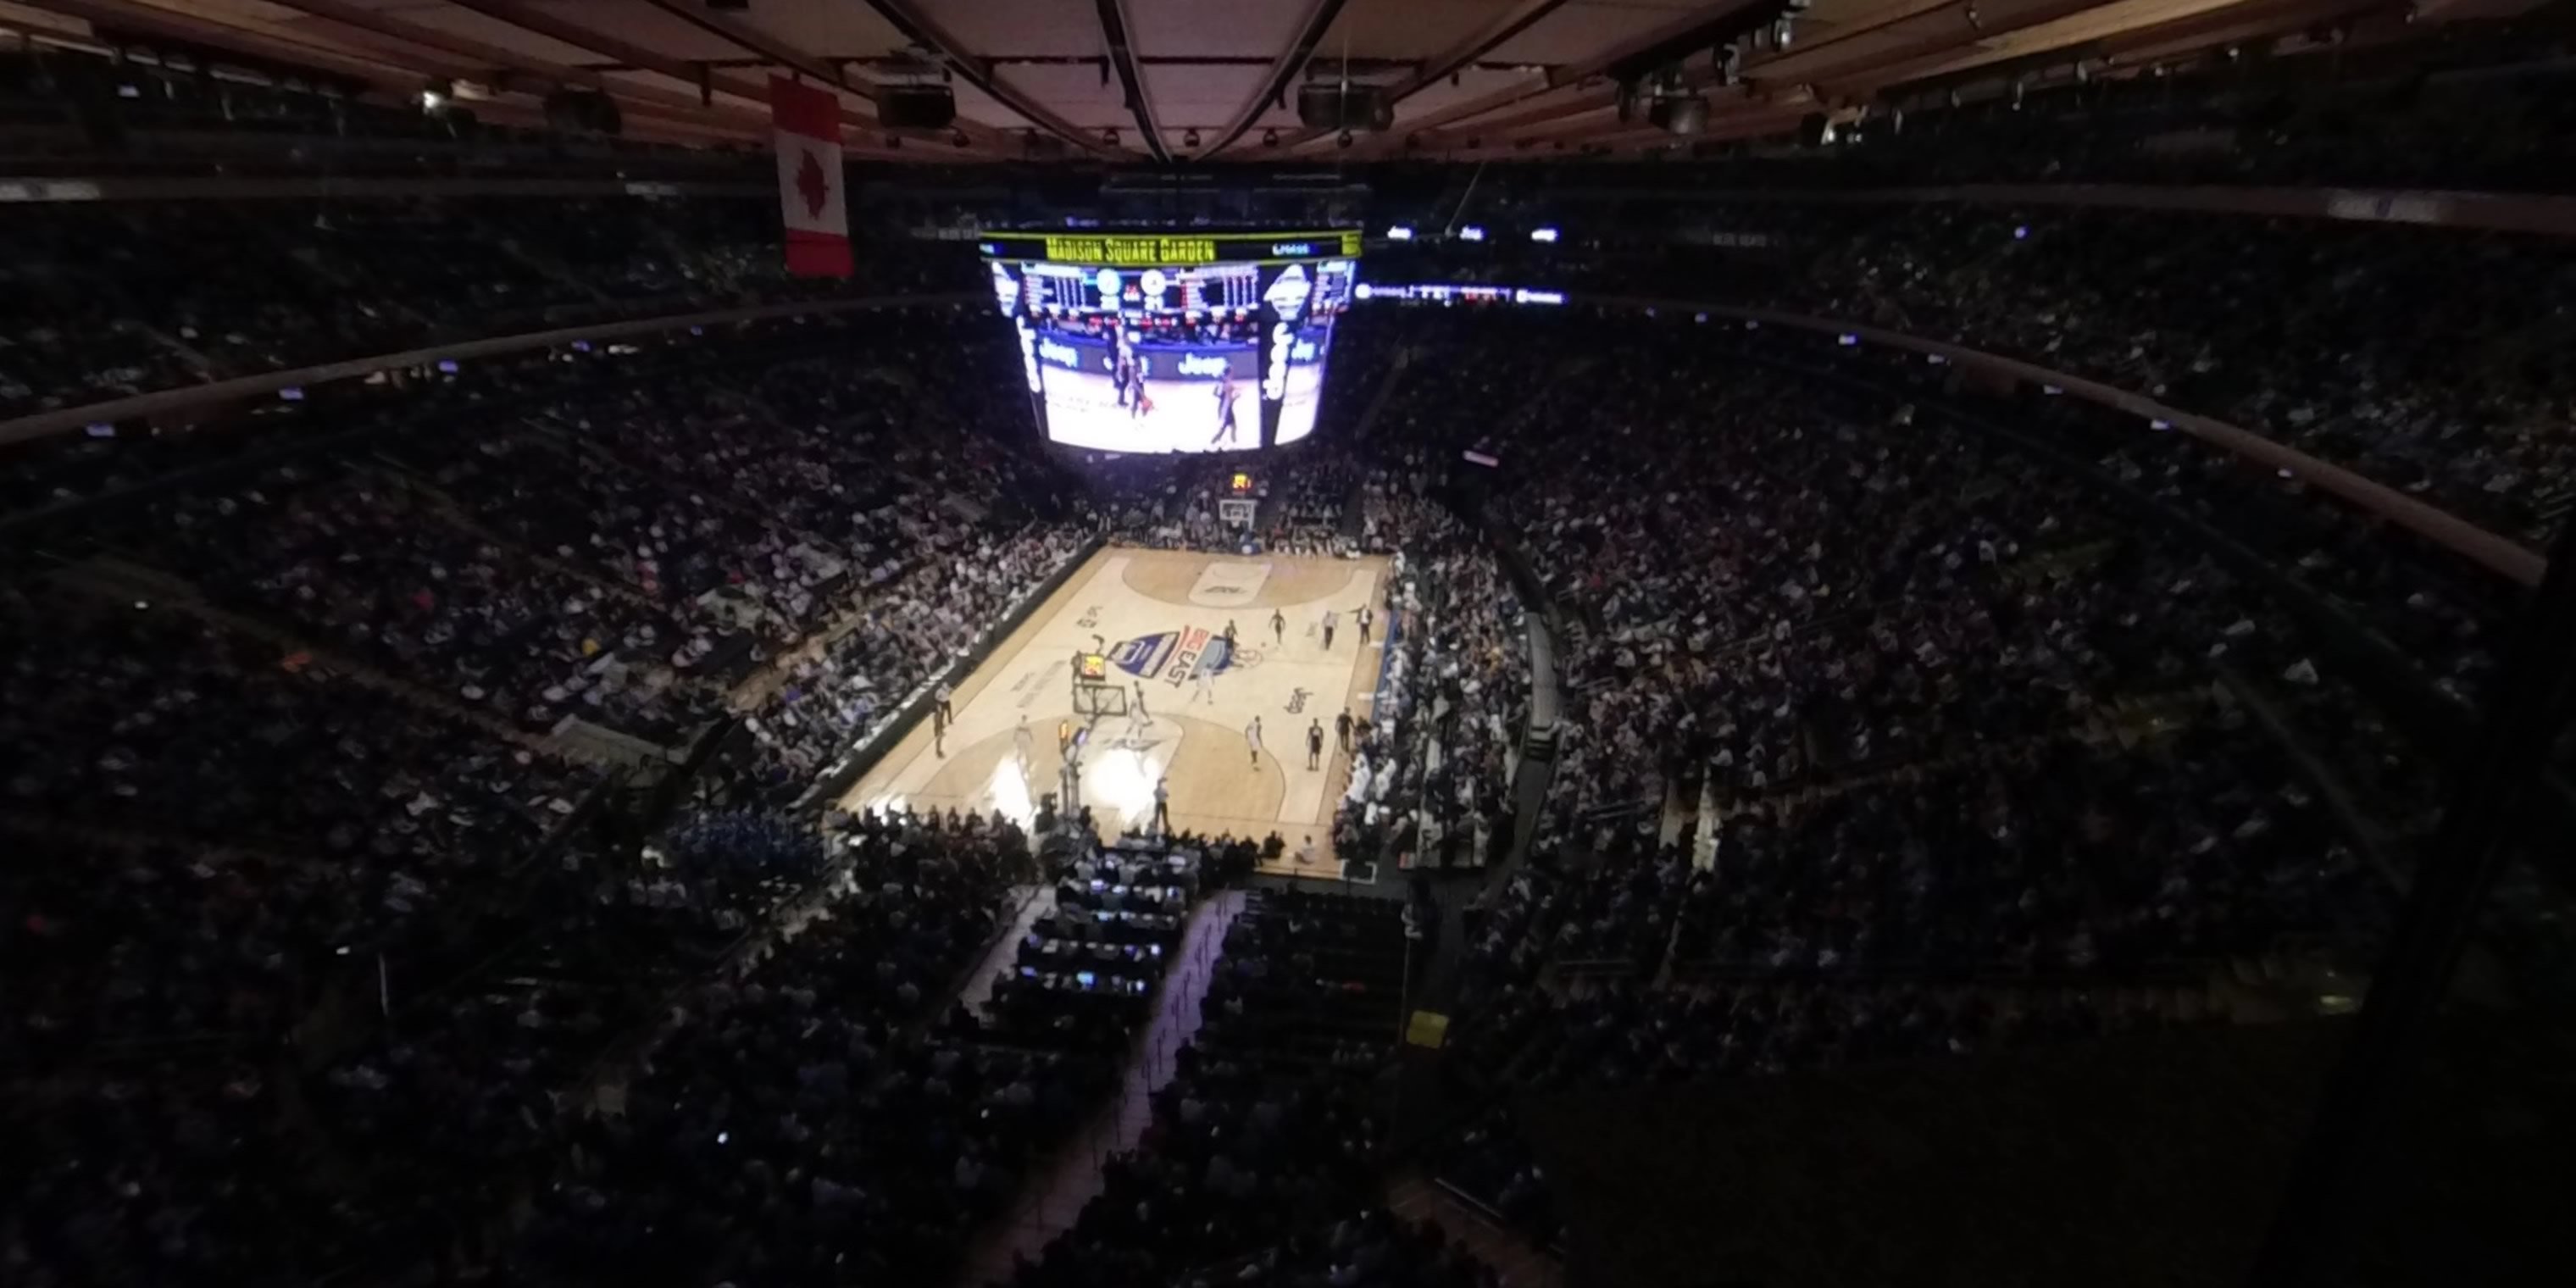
x: 1279, y: 626
x: 1163, y: 805
x: 1025, y: 741
x: 1143, y: 716
x: 941, y: 693
x: 1226, y: 394
x: 1122, y: 373
x: 1366, y: 619
x: 1206, y: 676
x: 1315, y: 743
x: 1252, y: 738
x: 1331, y: 620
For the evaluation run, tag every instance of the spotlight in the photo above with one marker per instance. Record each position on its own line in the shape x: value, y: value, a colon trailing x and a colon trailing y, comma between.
x: 1345, y: 139
x: 1471, y: 232
x: 1399, y: 232
x: 1270, y: 138
x: 436, y: 95
x: 1109, y: 137
x: 1189, y: 138
x: 1543, y: 235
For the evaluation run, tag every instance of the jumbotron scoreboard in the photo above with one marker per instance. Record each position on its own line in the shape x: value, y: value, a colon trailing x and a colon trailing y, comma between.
x: 1174, y: 342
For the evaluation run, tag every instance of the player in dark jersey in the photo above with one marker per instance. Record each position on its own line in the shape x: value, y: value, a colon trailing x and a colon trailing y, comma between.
x: 1122, y: 373
x: 1225, y: 398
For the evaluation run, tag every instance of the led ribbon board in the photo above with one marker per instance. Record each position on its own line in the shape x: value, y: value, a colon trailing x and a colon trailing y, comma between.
x: 1170, y: 250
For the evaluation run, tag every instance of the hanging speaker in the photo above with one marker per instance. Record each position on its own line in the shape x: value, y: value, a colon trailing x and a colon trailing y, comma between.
x: 1328, y: 105
x: 584, y: 111
x: 1679, y: 115
x: 916, y: 107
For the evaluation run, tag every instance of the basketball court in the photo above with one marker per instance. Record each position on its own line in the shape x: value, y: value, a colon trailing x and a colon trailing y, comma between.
x: 1151, y: 624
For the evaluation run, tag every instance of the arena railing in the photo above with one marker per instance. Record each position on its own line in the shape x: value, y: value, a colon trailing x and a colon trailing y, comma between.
x: 217, y: 393
x: 2498, y: 554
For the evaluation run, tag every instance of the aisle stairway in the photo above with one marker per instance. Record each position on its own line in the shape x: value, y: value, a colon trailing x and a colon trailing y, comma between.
x: 1058, y: 1188
x: 1416, y: 1197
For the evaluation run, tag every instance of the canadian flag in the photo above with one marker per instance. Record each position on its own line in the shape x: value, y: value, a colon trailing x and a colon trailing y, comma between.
x: 806, y: 124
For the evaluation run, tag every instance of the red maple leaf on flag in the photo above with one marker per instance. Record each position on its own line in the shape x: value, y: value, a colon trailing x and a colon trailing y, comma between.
x: 813, y: 184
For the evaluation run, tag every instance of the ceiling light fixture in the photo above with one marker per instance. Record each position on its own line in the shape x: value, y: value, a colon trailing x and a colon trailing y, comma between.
x: 1270, y: 138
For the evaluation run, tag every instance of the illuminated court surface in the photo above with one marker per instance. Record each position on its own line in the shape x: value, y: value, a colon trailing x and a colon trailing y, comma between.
x: 1159, y: 615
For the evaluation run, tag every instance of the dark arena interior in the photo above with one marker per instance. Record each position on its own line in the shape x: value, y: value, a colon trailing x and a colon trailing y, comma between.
x: 1287, y: 643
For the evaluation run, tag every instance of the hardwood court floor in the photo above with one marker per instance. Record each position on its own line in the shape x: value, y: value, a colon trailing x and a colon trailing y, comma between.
x: 1156, y: 611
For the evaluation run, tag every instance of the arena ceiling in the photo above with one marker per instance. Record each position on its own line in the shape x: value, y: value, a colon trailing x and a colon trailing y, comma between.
x: 1215, y: 80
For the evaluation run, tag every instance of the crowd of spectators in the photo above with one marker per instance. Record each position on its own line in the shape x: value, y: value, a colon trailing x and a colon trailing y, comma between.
x: 315, y: 793
x: 1432, y: 765
x: 2418, y: 357
x: 367, y: 566
x: 797, y: 1122
x: 194, y: 1157
x: 1922, y: 709
x: 1529, y: 1040
x: 904, y: 640
x: 626, y: 552
x: 1858, y: 696
x: 228, y: 817
x: 1161, y: 503
x: 99, y: 301
x: 1374, y: 1249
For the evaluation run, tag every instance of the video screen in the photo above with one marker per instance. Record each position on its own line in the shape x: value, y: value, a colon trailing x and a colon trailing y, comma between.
x: 1303, y: 346
x: 1199, y: 358
x: 1121, y: 385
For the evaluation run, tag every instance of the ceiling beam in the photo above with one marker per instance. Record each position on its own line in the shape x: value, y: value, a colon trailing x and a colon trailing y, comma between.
x: 264, y: 44
x: 743, y: 35
x: 374, y: 27
x: 1598, y: 63
x: 1283, y: 69
x: 1536, y: 110
x: 1140, y: 103
x: 906, y: 17
x: 548, y: 24
x: 1899, y: 31
x: 1914, y: 37
x: 2041, y: 28
x: 1484, y: 40
x: 2150, y: 42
